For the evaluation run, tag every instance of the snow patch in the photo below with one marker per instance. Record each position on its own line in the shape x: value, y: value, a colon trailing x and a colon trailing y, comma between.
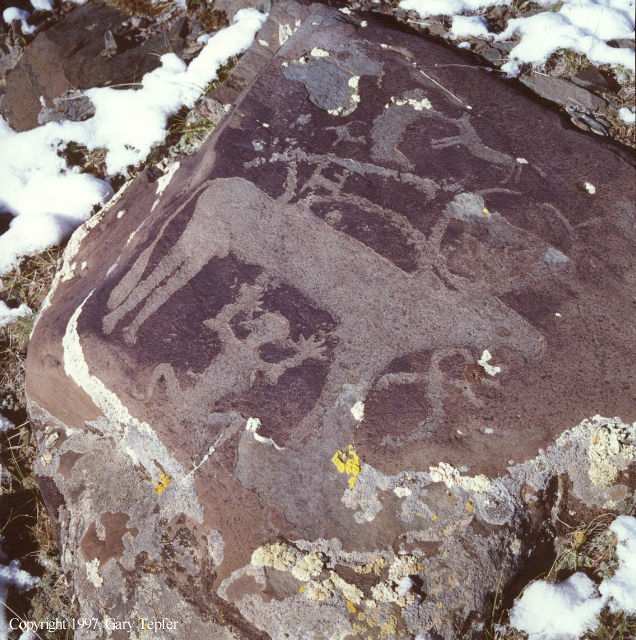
x: 47, y: 198
x: 570, y: 608
x: 583, y: 26
x: 8, y: 315
x: 11, y: 576
x: 564, y: 610
x: 13, y: 13
x: 628, y: 116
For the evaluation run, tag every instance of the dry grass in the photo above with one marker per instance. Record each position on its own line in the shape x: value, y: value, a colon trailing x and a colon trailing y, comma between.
x: 29, y: 284
x: 141, y: 8
x: 25, y: 527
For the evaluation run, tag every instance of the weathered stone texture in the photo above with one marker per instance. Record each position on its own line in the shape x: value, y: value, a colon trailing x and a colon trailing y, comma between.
x: 381, y: 261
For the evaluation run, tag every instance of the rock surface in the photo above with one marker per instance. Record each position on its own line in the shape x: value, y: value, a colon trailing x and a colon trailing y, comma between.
x: 302, y: 385
x: 563, y: 92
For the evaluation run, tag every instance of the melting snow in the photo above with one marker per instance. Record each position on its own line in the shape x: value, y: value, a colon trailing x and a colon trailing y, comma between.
x: 570, y: 608
x: 47, y: 198
x: 584, y: 26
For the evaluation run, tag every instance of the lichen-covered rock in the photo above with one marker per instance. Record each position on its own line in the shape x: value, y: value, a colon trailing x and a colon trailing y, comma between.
x: 310, y: 384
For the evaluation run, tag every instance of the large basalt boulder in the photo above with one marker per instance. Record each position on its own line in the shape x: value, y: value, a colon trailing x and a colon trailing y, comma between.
x: 310, y: 384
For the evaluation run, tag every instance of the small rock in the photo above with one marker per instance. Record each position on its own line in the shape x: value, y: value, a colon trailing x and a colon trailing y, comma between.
x: 87, y: 48
x: 497, y: 18
x: 492, y: 54
x: 71, y: 105
x: 587, y: 123
x: 505, y: 47
x: 563, y: 92
x: 590, y: 78
x: 622, y: 43
x: 436, y: 28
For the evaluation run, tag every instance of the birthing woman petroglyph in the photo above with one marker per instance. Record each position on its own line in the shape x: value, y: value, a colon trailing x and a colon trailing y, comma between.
x: 236, y: 367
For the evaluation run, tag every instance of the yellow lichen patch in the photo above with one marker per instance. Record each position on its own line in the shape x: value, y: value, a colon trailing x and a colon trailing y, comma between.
x: 303, y: 588
x: 349, y: 591
x: 308, y: 567
x: 348, y: 462
x: 469, y: 507
x: 162, y: 483
x: 315, y: 590
x: 351, y: 606
x: 375, y: 566
x: 384, y: 592
x: 608, y: 442
x: 485, y: 211
x: 388, y: 628
x: 276, y: 555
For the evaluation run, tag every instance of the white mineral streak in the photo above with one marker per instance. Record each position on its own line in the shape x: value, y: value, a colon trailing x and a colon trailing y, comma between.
x: 165, y: 179
x: 486, y: 357
x: 418, y: 105
x: 285, y: 31
x: 357, y: 411
x: 451, y: 477
x: 136, y: 438
x: 252, y: 427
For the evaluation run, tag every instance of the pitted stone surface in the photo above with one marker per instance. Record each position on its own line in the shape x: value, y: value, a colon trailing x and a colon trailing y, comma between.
x: 380, y: 262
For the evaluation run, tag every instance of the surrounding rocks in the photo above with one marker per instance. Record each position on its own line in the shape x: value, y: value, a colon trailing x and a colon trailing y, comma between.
x: 315, y: 382
x: 94, y: 45
x: 563, y: 92
x: 590, y: 78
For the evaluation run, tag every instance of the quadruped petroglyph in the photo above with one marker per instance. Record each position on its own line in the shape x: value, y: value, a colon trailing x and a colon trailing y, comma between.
x: 382, y: 312
x: 387, y: 275
x: 396, y: 215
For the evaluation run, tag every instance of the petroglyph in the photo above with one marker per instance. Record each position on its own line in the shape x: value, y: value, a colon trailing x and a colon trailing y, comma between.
x: 376, y: 323
x: 383, y: 310
x: 337, y: 332
x: 238, y: 364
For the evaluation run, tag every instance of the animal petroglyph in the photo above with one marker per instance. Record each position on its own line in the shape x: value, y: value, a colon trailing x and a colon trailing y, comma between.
x: 382, y: 312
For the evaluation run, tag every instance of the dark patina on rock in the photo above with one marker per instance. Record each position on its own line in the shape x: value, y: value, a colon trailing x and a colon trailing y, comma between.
x: 382, y: 260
